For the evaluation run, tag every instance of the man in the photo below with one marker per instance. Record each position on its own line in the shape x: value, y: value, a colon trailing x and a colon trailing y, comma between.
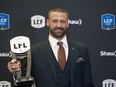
x: 46, y: 69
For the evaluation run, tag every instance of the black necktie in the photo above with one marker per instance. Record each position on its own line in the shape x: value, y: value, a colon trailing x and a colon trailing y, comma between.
x: 61, y: 55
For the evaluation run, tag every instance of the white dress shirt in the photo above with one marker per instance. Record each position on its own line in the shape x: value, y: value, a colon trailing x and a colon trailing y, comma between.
x: 55, y: 46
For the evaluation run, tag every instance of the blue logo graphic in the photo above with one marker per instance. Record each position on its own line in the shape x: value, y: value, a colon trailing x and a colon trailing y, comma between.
x: 4, y: 21
x: 108, y: 21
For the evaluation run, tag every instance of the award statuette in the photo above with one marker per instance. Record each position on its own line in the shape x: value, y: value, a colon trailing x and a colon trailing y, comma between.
x: 20, y: 48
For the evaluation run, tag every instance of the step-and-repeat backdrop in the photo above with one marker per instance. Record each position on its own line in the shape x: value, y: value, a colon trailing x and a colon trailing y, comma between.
x: 91, y: 22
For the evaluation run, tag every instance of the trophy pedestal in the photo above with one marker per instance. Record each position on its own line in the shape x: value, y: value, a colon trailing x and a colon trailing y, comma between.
x: 24, y: 81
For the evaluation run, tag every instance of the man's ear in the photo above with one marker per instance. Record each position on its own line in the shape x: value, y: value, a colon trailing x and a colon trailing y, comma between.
x: 47, y: 22
x: 67, y: 25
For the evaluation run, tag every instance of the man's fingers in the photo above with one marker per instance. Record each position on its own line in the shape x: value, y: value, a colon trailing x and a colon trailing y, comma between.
x: 13, y: 61
x: 14, y: 66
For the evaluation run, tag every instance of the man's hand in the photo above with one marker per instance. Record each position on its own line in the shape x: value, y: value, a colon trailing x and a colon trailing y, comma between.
x: 14, y: 66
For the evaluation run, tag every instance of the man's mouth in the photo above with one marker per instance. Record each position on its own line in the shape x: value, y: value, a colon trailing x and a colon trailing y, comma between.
x: 58, y: 29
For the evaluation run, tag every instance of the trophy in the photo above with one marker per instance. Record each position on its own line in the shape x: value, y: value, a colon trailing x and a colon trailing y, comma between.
x: 20, y: 48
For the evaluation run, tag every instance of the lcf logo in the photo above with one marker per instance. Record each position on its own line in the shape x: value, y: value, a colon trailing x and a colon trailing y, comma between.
x: 109, y: 83
x: 4, y: 21
x: 5, y: 84
x: 108, y: 21
x: 37, y: 21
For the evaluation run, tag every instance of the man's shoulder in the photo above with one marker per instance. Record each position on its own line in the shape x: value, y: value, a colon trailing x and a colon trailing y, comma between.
x: 40, y: 44
x: 82, y: 47
x: 77, y: 43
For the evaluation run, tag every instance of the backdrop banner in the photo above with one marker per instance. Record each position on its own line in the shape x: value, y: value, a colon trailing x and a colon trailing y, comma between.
x: 91, y: 22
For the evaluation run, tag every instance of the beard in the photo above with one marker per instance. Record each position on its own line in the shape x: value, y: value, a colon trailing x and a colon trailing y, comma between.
x: 58, y: 32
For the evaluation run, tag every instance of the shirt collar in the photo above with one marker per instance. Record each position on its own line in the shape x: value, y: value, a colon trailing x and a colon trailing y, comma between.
x: 54, y: 41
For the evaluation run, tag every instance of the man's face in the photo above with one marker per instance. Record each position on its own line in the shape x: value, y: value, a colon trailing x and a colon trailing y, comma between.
x: 58, y: 24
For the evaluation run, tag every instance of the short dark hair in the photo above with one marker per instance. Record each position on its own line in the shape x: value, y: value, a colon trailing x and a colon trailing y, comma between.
x: 57, y: 9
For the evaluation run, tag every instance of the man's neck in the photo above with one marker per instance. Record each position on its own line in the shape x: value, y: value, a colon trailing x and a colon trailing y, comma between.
x: 57, y: 38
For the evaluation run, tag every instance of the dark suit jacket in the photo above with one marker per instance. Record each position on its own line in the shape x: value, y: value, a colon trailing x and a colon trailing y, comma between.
x: 43, y: 68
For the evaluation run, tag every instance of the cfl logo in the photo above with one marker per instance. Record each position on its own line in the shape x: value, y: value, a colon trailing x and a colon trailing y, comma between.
x: 108, y: 21
x: 109, y: 83
x: 3, y: 20
x: 20, y: 44
x: 5, y: 84
x: 37, y: 21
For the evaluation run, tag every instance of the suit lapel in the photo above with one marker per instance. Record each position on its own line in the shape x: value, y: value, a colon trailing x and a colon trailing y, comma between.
x: 50, y: 59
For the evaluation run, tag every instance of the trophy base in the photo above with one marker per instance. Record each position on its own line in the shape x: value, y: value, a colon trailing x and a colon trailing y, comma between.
x: 24, y: 81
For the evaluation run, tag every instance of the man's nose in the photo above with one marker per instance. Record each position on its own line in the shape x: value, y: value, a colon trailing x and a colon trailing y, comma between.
x: 59, y: 24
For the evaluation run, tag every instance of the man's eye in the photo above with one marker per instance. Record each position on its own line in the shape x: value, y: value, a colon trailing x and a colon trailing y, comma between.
x: 63, y: 21
x: 54, y: 21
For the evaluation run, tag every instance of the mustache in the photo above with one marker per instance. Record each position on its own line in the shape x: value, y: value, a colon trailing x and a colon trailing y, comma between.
x: 58, y: 28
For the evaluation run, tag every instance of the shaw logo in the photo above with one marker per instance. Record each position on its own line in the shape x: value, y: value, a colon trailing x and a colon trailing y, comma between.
x: 109, y: 83
x: 4, y: 21
x: 78, y: 22
x: 108, y: 21
x: 104, y: 53
x: 37, y: 21
x: 6, y: 54
x: 5, y: 84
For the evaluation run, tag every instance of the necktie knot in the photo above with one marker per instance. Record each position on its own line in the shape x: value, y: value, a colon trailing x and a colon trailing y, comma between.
x: 60, y: 43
